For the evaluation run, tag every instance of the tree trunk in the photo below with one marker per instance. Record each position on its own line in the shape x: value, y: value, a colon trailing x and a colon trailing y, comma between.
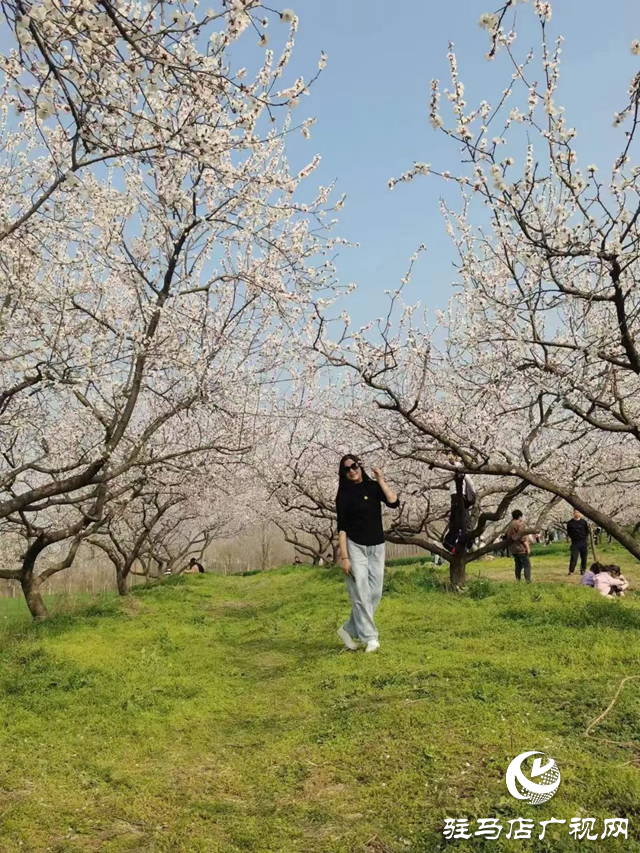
x: 121, y: 581
x: 30, y: 584
x: 35, y: 602
x: 457, y: 570
x: 593, y: 545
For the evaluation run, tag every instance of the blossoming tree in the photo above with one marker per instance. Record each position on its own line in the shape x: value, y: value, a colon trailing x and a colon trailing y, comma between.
x: 164, y: 251
x: 531, y: 375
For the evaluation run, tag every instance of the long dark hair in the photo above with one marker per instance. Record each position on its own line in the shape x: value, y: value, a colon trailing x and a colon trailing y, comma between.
x: 342, y: 474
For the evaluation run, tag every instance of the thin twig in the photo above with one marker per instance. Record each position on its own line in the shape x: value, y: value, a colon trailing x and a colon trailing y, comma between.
x: 599, y: 719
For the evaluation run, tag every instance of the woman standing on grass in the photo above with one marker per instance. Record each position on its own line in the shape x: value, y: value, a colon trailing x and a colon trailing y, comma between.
x: 361, y: 537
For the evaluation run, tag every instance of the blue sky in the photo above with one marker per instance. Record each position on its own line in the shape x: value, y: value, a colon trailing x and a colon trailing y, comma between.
x: 372, y: 108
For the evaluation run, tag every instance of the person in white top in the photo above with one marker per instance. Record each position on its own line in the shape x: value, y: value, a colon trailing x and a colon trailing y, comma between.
x: 615, y: 573
x: 610, y: 582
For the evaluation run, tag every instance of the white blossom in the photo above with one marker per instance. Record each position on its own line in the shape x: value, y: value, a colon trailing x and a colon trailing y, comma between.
x: 488, y: 21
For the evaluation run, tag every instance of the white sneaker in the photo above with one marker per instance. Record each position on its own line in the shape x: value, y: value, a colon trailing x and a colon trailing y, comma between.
x: 347, y: 639
x: 372, y: 646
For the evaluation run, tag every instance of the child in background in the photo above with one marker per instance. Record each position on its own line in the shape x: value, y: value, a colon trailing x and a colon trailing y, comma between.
x: 614, y: 571
x: 605, y: 582
x: 589, y: 578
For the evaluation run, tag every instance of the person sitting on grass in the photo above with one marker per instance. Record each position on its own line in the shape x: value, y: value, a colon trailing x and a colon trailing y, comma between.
x: 615, y: 573
x: 589, y: 578
x: 194, y: 567
x: 606, y: 581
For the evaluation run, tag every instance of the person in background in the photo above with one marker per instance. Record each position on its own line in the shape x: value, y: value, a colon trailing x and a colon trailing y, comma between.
x: 462, y: 492
x: 361, y: 537
x: 463, y: 496
x: 195, y: 567
x: 297, y: 561
x: 503, y: 550
x: 519, y: 545
x: 578, y: 533
x: 589, y: 578
x: 605, y: 581
x: 615, y: 573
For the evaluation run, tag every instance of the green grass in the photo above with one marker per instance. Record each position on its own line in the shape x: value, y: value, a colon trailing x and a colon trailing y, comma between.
x: 215, y: 714
x: 550, y: 563
x: 12, y: 612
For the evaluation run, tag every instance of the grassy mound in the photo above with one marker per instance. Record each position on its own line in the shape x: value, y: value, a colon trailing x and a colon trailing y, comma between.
x: 220, y: 714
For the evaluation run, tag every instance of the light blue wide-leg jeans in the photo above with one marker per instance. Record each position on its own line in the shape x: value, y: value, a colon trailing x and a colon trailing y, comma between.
x: 365, y: 589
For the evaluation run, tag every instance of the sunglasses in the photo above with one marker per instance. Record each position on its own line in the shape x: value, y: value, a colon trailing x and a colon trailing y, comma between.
x: 353, y: 467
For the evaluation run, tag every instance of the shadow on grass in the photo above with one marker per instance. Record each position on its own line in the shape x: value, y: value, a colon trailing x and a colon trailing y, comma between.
x: 605, y: 614
x: 433, y: 579
x: 252, y: 656
x: 39, y: 679
x: 67, y: 611
x: 157, y: 586
x: 66, y: 614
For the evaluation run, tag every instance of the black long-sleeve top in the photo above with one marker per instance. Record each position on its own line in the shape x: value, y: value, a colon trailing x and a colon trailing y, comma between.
x: 360, y: 511
x: 578, y: 530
